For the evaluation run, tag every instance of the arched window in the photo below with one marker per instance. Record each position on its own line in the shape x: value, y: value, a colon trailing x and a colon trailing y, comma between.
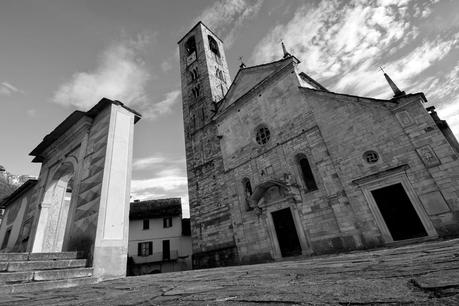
x: 247, y: 192
x: 213, y: 45
x: 190, y: 46
x: 306, y: 172
x: 196, y: 91
x: 194, y: 74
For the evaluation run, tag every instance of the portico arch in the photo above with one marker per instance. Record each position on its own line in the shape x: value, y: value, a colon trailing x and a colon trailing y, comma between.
x: 54, y: 209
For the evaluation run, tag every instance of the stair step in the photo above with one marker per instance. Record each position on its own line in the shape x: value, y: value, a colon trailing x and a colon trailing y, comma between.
x: 46, y: 285
x: 14, y: 256
x: 45, y: 265
x: 38, y: 256
x: 62, y: 274
x: 53, y: 256
x: 13, y: 277
x: 3, y: 266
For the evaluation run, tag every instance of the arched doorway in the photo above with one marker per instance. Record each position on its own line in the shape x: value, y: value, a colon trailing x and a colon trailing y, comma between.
x: 54, y: 210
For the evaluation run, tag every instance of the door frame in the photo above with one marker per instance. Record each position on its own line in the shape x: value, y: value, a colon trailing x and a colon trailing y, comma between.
x: 391, y: 180
x: 305, y: 249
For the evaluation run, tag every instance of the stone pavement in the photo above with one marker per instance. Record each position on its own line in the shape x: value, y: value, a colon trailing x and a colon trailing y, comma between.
x: 421, y: 274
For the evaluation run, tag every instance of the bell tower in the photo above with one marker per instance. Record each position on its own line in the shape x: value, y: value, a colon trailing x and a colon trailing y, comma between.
x: 205, y: 80
x: 204, y: 73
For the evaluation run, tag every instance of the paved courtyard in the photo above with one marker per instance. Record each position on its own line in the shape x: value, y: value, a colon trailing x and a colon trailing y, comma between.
x: 421, y: 274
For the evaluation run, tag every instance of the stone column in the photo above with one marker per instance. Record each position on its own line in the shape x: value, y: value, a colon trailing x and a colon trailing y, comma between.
x: 111, y: 243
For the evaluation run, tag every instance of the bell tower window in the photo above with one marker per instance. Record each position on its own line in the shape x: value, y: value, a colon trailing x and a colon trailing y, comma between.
x: 190, y: 46
x: 213, y: 45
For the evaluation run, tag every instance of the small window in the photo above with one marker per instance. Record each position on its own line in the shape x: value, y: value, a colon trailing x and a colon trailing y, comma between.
x: 190, y: 46
x: 371, y: 157
x: 167, y: 222
x: 196, y: 91
x: 247, y: 187
x: 263, y: 135
x: 145, y: 248
x: 213, y: 45
x: 306, y: 172
x: 146, y: 224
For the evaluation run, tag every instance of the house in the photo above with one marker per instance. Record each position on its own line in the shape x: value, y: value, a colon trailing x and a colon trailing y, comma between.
x: 159, y: 239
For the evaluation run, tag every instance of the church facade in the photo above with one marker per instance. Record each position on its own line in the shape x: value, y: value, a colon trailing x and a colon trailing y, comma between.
x: 280, y: 166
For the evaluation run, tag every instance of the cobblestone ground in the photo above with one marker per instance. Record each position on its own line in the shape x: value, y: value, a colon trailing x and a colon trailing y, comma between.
x: 421, y: 274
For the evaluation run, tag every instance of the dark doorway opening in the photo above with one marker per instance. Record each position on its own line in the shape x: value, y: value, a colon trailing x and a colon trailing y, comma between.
x: 398, y: 212
x: 166, y: 250
x: 286, y: 233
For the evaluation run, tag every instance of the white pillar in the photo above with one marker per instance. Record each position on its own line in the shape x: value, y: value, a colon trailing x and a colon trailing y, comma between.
x: 111, y: 243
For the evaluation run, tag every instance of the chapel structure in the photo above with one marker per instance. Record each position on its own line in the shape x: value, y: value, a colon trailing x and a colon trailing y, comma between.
x: 280, y: 166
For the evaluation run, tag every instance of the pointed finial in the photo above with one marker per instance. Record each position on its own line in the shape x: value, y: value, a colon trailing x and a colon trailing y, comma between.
x: 395, y: 89
x: 286, y: 54
x: 242, y: 65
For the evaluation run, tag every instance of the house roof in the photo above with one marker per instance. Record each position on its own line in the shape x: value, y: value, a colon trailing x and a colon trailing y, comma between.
x: 155, y: 208
x: 71, y: 120
x: 18, y: 192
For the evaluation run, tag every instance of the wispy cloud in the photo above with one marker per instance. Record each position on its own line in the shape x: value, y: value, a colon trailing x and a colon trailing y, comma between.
x: 121, y: 74
x: 153, y: 110
x: 227, y: 16
x: 343, y: 43
x: 156, y: 161
x: 8, y: 89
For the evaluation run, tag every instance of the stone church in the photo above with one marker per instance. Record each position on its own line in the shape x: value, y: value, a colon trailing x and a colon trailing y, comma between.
x: 280, y: 166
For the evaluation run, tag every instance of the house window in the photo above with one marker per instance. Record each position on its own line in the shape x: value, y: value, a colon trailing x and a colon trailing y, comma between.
x: 146, y: 224
x: 6, y: 238
x: 190, y: 46
x: 306, y: 172
x: 213, y: 45
x: 263, y: 135
x: 145, y: 248
x: 371, y: 157
x: 167, y: 222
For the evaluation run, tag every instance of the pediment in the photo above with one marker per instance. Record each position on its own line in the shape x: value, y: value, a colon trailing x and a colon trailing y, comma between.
x: 248, y: 78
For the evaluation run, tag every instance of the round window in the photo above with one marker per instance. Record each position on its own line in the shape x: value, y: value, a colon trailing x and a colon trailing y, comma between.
x: 371, y: 157
x: 263, y: 135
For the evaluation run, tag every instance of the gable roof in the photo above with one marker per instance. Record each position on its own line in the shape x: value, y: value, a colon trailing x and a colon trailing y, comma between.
x: 155, y: 209
x: 248, y: 78
x: 18, y: 192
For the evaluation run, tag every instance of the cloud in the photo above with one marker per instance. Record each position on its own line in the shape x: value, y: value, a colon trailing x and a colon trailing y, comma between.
x: 8, y: 89
x: 167, y: 179
x: 343, y: 43
x: 31, y: 112
x: 155, y: 161
x: 166, y: 66
x: 121, y: 74
x: 153, y: 110
x: 227, y: 16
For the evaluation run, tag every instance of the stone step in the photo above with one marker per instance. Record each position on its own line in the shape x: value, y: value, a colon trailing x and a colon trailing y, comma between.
x: 4, y: 257
x: 62, y: 274
x: 45, y: 265
x: 46, y: 285
x: 45, y: 275
x: 14, y: 256
x: 15, y: 277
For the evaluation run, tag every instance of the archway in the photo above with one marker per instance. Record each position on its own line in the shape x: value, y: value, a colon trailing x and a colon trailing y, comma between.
x: 54, y: 210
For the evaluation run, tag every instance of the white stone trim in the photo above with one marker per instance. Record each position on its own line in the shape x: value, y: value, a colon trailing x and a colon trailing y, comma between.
x: 391, y: 180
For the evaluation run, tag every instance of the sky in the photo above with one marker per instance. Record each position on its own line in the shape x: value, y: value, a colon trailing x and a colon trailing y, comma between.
x: 57, y: 56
